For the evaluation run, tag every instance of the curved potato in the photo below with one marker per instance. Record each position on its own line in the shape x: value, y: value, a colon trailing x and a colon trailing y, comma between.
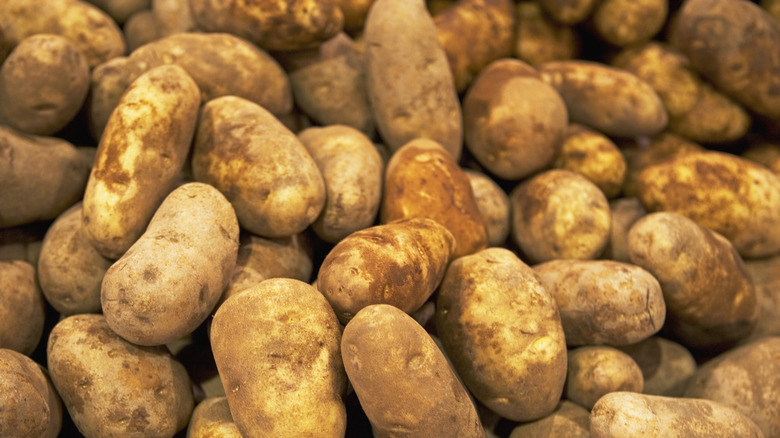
x: 121, y: 10
x: 30, y: 406
x: 595, y: 371
x: 714, y: 119
x: 539, y: 38
x: 493, y: 203
x: 569, y: 11
x: 593, y: 156
x: 22, y: 307
x: 666, y: 365
x: 140, y: 28
x: 626, y: 22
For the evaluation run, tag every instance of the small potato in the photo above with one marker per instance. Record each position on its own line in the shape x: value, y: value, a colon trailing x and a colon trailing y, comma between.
x: 113, y: 388
x: 355, y: 12
x: 666, y: 365
x: 604, y: 302
x: 212, y: 419
x: 70, y: 270
x: 173, y: 16
x: 140, y: 28
x: 403, y: 381
x: 121, y: 10
x: 773, y: 7
x: 598, y: 370
x: 503, y: 333
x: 766, y: 153
x: 567, y: 420
x: 22, y: 308
x: 625, y: 211
x: 493, y: 203
x: 714, y: 119
x: 410, y: 84
x: 260, y: 165
x: 613, y: 101
x: 628, y: 414
x: 30, y: 406
x: 168, y: 282
x: 539, y: 38
x: 593, y: 156
x: 626, y: 22
x: 400, y: 263
x: 513, y: 121
x: 559, y: 214
x: 641, y: 155
x: 569, y: 11
x: 276, y: 346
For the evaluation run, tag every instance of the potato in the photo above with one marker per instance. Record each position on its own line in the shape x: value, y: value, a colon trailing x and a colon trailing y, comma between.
x: 40, y: 177
x: 559, y: 214
x: 626, y: 22
x: 613, y: 101
x: 567, y: 420
x: 714, y: 119
x: 625, y: 211
x: 720, y: 191
x: 112, y: 388
x: 352, y: 169
x: 400, y: 263
x: 402, y: 379
x: 604, y: 302
x: 746, y: 379
x: 593, y: 156
x: 30, y: 406
x: 93, y: 32
x: 766, y: 153
x: 139, y: 158
x: 70, y: 270
x: 121, y: 10
x: 475, y: 33
x: 283, y: 374
x: 623, y: 414
x: 735, y: 45
x: 173, y: 16
x: 261, y: 167
x: 709, y: 296
x: 493, y: 203
x: 410, y: 85
x: 212, y: 419
x: 140, y: 28
x: 503, y: 333
x: 539, y: 38
x: 513, y: 121
x: 21, y: 307
x: 666, y: 365
x: 355, y: 12
x: 594, y: 371
x: 766, y: 278
x: 569, y: 11
x: 272, y: 25
x: 644, y: 153
x: 181, y: 263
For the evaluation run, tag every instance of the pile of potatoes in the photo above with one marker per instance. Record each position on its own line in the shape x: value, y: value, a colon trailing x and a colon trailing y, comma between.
x: 389, y: 218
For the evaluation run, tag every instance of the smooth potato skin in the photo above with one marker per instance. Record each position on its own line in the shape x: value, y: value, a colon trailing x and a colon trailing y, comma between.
x: 30, y: 406
x: 594, y: 371
x: 22, y: 307
x: 403, y: 381
x: 568, y: 419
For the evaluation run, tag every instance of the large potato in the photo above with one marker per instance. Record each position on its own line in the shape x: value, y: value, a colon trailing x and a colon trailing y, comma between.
x: 30, y: 406
x: 403, y: 381
x: 22, y: 308
x: 594, y: 371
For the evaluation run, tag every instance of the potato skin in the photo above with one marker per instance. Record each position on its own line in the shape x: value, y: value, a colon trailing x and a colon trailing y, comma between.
x: 568, y: 419
x: 166, y: 284
x: 493, y: 203
x: 282, y: 374
x: 212, y: 419
x: 593, y: 156
x: 30, y: 406
x: 503, y: 333
x: 402, y: 379
x: 626, y: 22
x: 594, y: 371
x: 113, y: 388
x: 539, y: 38
x: 569, y: 11
x: 666, y: 365
x: 22, y: 308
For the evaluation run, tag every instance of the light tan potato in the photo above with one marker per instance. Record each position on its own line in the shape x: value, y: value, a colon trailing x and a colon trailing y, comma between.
x: 493, y: 203
x: 746, y: 379
x: 567, y: 420
x: 283, y: 373
x: 613, y: 101
x: 513, y: 121
x: 604, y: 302
x: 503, y: 333
x: 40, y: 177
x: 559, y: 214
x: 666, y: 365
x: 112, y: 388
x: 403, y: 381
x: 593, y: 156
x: 766, y: 278
x: 623, y: 414
x: 539, y: 38
x: 168, y: 282
x: 140, y: 28
x: 709, y: 296
x: 423, y: 180
x: 352, y: 169
x: 212, y: 419
x: 594, y: 371
x: 70, y: 270
x: 355, y: 12
x: 22, y: 308
x: 93, y: 32
x: 626, y: 22
x: 173, y: 16
x: 625, y: 211
x: 261, y: 167
x: 121, y: 10
x: 410, y: 86
x: 400, y: 263
x: 569, y: 11
x: 720, y: 191
x: 475, y: 33
x: 30, y: 406
x: 644, y: 153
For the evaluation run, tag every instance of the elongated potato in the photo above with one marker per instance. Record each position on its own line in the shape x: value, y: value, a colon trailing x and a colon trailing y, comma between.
x: 22, y: 308
x: 594, y: 371
x: 30, y: 406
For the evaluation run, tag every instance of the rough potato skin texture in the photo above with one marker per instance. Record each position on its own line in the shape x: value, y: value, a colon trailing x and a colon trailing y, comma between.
x: 567, y: 420
x: 626, y: 22
x: 746, y: 379
x: 403, y: 381
x: 113, y: 388
x: 539, y: 38
x: 714, y: 119
x: 42, y: 84
x: 40, y: 177
x: 709, y: 295
x: 661, y: 148
x: 21, y: 307
x: 736, y: 45
x: 720, y: 191
x: 624, y: 414
x: 172, y: 277
x: 410, y: 84
x: 503, y: 333
x: 604, y: 302
x: 277, y: 351
x: 400, y: 263
x: 594, y: 371
x: 212, y: 419
x: 139, y: 158
x: 259, y: 165
x: 666, y: 365
x: 29, y: 406
x: 423, y: 180
x: 569, y: 11
x: 493, y: 203
x: 513, y: 121
x: 593, y: 156
x: 611, y: 100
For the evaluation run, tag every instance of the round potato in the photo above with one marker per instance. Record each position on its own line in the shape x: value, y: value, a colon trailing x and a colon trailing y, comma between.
x: 625, y: 211
x: 493, y: 203
x: 593, y: 156
x: 212, y: 419
x: 30, y: 406
x: 22, y: 308
x: 594, y: 371
x: 539, y: 38
x: 666, y: 365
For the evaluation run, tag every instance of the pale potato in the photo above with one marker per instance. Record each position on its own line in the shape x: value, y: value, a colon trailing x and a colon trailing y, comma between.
x: 22, y: 307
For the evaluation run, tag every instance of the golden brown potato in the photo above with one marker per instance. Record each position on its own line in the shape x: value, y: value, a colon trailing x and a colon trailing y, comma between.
x: 766, y: 278
x: 598, y: 370
x: 403, y: 381
x: 173, y: 16
x: 625, y: 211
x: 626, y: 22
x: 503, y: 333
x: 140, y: 28
x: 567, y: 420
x: 121, y: 10
x: 569, y: 11
x: 641, y: 155
x: 539, y: 38
x: 714, y: 119
x: 355, y: 12
x: 593, y: 156
x: 410, y: 85
x: 493, y: 203
x: 277, y: 350
x: 764, y: 152
x: 212, y: 419
x: 666, y: 365
x: 30, y: 406
x: 22, y: 308
x: 773, y: 7
x: 113, y: 388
